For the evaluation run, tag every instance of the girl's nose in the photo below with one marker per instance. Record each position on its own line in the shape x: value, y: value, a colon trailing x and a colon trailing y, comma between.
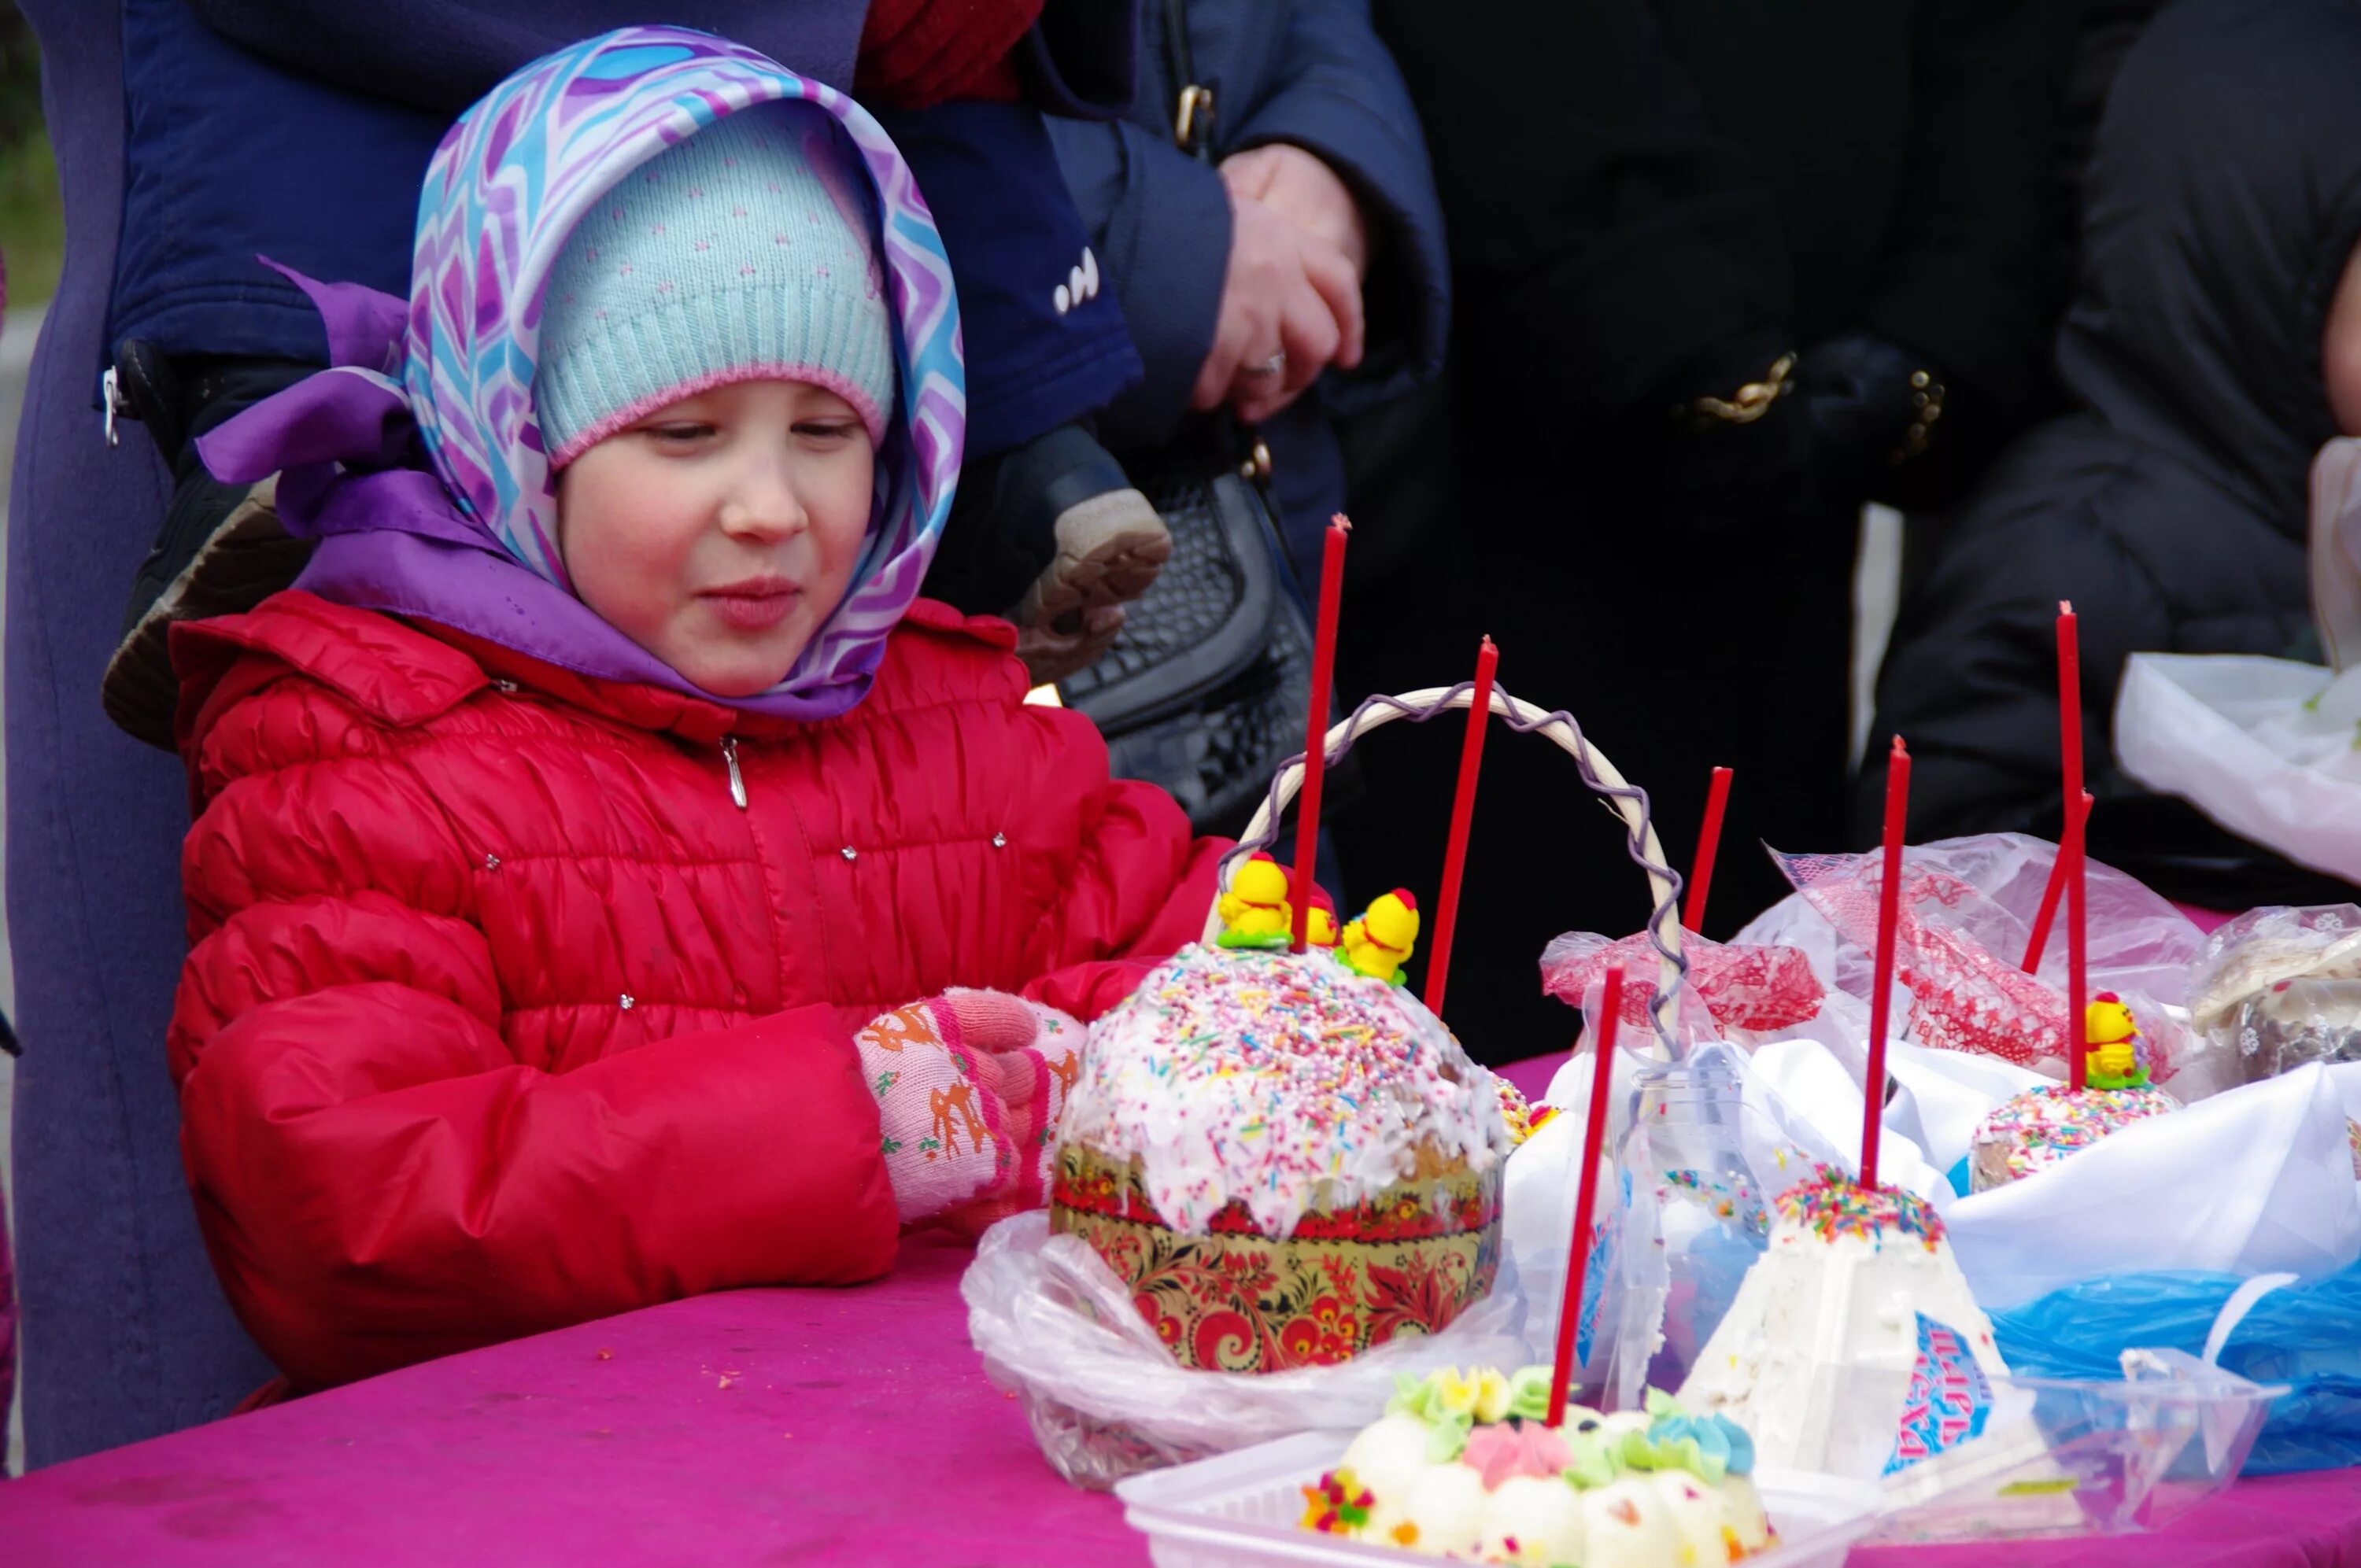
x: 762, y: 503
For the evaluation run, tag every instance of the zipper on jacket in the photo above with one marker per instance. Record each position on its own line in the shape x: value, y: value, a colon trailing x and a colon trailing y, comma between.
x: 737, y: 779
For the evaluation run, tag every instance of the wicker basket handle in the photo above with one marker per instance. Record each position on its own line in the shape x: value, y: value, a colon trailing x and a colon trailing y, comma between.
x: 1626, y: 800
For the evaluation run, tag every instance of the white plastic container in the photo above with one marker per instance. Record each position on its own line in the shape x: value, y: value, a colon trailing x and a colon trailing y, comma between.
x: 1242, y: 1508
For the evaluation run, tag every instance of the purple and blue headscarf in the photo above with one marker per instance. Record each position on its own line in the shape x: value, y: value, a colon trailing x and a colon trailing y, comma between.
x: 473, y: 544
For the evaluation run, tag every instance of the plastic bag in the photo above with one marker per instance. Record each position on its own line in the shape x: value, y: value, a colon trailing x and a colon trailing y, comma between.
x: 2265, y: 747
x: 2307, y: 1336
x: 1738, y: 993
x: 1106, y: 1401
x: 2335, y: 554
x: 2252, y: 1180
x: 2134, y: 938
x: 2280, y: 987
x: 1966, y: 915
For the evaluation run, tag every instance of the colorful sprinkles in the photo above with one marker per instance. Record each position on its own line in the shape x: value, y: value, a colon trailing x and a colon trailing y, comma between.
x: 1282, y: 1081
x: 1832, y: 1204
x: 2044, y: 1124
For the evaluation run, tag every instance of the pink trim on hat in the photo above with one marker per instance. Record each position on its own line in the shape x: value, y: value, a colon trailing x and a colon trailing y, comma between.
x: 639, y: 409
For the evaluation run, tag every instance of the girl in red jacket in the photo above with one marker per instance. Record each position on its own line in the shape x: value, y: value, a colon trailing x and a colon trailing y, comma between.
x: 574, y: 840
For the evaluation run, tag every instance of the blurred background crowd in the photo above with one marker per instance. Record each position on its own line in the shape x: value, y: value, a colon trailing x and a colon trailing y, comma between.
x: 1603, y: 319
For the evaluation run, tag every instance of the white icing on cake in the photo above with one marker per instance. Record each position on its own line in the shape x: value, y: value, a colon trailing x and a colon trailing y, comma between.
x: 1286, y: 1082
x: 1822, y: 1303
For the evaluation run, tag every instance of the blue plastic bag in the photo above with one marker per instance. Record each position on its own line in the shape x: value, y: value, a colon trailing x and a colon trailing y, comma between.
x: 2307, y: 1336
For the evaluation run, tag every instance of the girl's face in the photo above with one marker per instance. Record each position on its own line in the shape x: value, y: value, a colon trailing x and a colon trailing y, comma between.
x: 721, y: 532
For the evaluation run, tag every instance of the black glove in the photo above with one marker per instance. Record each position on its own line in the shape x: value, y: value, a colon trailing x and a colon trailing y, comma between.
x: 1874, y: 407
x: 1724, y: 467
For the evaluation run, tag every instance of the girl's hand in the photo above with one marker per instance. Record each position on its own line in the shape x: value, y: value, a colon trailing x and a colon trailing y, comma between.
x: 969, y: 1086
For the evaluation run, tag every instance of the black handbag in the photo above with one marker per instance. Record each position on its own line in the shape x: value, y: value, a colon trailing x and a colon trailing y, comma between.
x: 1206, y: 688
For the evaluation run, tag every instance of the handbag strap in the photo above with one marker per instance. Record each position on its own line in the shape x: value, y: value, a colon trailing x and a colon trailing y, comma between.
x: 1193, y: 101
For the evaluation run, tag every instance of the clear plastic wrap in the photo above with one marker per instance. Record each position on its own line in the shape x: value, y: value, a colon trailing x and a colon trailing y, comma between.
x: 2281, y: 987
x: 1967, y: 910
x: 1106, y: 1400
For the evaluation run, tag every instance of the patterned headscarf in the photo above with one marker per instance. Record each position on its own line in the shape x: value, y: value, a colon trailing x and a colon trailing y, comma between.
x: 477, y: 551
x: 504, y: 190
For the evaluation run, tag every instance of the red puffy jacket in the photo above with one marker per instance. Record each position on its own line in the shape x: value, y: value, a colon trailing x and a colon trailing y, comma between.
x: 515, y: 998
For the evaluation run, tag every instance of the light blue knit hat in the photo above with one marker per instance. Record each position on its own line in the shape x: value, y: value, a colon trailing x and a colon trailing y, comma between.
x: 744, y: 253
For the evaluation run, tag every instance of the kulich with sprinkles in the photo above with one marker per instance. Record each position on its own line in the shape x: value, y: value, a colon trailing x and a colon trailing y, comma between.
x: 1285, y: 1161
x: 1856, y: 1279
x: 2039, y: 1128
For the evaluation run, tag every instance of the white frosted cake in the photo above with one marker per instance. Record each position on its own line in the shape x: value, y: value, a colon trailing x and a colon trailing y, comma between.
x: 1854, y: 1345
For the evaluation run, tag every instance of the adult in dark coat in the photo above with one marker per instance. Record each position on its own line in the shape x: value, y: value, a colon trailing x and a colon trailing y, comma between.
x: 1307, y: 75
x: 1650, y: 202
x: 2223, y: 208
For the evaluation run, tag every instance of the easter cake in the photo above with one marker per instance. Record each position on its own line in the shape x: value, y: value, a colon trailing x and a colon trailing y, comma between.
x: 2031, y: 1132
x: 1854, y: 1345
x: 1285, y: 1160
x: 1467, y: 1466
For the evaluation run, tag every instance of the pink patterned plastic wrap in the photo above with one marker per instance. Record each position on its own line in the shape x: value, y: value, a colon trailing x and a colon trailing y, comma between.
x: 1759, y: 989
x: 1963, y: 997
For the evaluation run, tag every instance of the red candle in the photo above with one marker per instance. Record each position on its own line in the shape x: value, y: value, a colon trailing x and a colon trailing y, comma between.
x: 1315, y: 744
x: 1717, y: 799
x: 2050, y: 890
x: 1889, y: 909
x: 1594, y: 1133
x: 2070, y: 741
x: 1462, y: 814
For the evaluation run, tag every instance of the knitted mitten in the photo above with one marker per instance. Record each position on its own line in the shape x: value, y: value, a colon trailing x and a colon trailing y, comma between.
x: 1035, y: 1051
x: 969, y: 1086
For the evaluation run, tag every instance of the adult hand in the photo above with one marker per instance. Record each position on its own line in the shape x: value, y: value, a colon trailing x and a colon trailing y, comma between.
x: 1290, y: 306
x: 1305, y: 191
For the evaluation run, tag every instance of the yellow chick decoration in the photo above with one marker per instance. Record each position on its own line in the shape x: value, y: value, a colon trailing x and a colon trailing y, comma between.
x: 2112, y: 1036
x: 1319, y: 930
x: 1379, y: 943
x: 1254, y: 912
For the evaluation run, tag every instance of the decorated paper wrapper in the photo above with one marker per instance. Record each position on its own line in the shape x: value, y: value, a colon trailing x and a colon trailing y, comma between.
x: 1410, y: 1260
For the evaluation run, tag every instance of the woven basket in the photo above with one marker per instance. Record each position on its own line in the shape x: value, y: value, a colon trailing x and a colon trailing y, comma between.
x: 1410, y: 1260
x: 1599, y: 775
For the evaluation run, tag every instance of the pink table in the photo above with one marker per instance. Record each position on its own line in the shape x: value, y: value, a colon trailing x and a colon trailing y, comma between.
x: 806, y: 1427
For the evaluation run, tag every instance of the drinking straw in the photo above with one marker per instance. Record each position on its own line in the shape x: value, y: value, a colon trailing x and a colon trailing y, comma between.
x: 1463, y: 812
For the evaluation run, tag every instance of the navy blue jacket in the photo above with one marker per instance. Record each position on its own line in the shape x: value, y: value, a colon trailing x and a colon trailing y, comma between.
x: 302, y: 131
x: 1309, y: 73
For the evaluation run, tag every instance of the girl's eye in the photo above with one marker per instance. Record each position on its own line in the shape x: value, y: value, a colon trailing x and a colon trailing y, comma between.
x: 825, y: 430
x: 681, y: 432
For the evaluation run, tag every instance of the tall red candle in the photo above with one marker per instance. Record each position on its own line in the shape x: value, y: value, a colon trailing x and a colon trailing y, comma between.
x: 2069, y: 744
x: 1594, y: 1134
x: 1889, y: 910
x: 1463, y: 816
x: 1315, y: 743
x: 1717, y: 801
x: 2059, y: 865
